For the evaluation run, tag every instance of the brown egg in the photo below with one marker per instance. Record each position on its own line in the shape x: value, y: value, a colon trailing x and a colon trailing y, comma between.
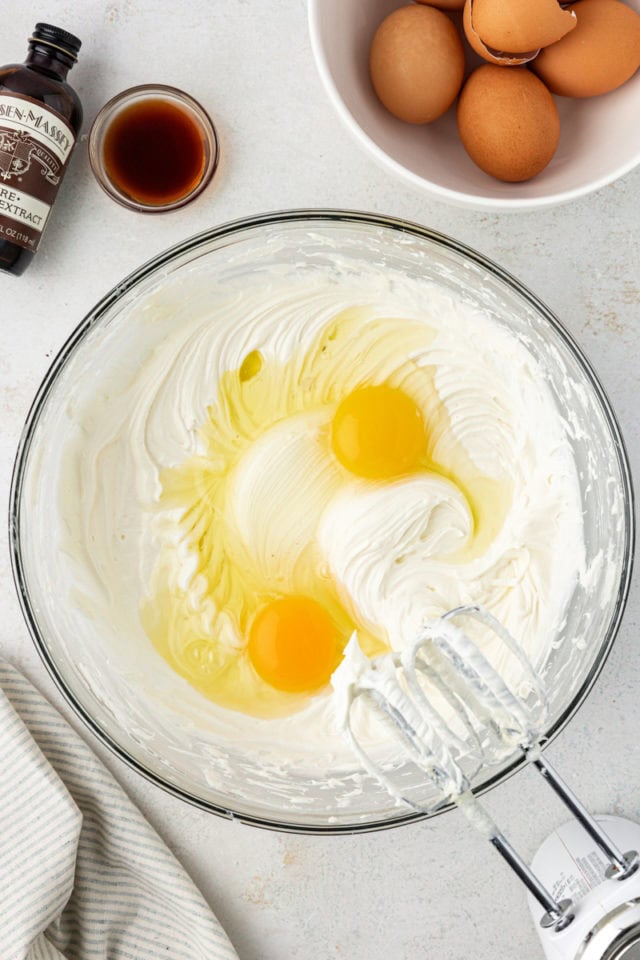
x: 476, y: 44
x: 444, y: 4
x: 602, y: 53
x: 417, y: 63
x: 518, y: 26
x: 508, y: 122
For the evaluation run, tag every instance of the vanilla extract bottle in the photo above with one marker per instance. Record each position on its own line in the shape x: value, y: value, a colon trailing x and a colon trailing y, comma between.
x: 40, y: 117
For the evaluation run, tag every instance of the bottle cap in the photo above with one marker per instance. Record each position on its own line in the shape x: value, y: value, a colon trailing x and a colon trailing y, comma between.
x: 56, y: 39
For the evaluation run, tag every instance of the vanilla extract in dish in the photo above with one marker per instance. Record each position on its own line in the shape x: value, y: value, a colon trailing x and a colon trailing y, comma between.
x: 154, y: 152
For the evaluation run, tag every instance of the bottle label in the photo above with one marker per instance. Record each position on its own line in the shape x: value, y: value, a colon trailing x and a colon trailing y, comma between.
x: 35, y: 146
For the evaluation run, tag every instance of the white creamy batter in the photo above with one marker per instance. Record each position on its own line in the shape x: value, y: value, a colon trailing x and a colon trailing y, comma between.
x: 395, y: 550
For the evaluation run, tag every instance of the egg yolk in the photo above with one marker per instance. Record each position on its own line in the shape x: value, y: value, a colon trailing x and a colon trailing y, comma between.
x: 378, y: 432
x: 293, y: 644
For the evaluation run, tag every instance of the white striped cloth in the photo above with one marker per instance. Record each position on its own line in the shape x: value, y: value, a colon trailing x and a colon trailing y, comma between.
x: 83, y: 876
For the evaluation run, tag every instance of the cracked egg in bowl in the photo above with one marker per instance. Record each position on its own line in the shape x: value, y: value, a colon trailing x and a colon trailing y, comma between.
x: 286, y: 433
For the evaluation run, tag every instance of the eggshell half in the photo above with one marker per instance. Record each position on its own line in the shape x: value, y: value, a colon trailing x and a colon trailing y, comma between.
x: 602, y: 53
x: 516, y: 26
x: 508, y: 122
x: 476, y: 44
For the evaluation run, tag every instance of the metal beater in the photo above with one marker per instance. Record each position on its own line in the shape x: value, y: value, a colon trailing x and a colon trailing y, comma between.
x: 449, y: 707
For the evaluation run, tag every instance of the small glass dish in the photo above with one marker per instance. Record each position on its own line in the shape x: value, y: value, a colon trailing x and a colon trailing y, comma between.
x: 153, y: 148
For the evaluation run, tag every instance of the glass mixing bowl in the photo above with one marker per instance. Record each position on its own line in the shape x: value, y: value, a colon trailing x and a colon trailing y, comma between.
x: 101, y: 677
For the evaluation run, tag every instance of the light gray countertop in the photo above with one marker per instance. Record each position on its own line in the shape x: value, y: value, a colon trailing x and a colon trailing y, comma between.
x: 433, y: 889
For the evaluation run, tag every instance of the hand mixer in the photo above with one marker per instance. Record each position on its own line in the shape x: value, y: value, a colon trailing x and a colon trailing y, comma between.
x: 451, y: 709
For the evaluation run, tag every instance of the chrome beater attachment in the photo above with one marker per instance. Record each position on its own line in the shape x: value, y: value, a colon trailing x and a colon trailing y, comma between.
x: 453, y: 712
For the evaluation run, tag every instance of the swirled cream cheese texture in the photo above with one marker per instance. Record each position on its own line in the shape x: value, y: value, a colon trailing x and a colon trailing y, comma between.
x: 497, y: 522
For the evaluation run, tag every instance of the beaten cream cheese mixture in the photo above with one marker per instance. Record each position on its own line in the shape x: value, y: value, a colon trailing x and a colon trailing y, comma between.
x: 316, y: 458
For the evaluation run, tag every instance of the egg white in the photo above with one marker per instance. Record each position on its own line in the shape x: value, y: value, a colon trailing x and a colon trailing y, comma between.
x: 396, y: 551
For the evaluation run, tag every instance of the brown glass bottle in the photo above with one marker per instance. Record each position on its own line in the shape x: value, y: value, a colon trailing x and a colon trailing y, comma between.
x: 40, y: 116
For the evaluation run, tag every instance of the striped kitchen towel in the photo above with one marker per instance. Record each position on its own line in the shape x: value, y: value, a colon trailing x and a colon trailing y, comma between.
x: 83, y: 876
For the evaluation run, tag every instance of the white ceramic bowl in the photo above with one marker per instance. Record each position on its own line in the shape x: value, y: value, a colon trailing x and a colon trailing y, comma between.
x: 600, y: 139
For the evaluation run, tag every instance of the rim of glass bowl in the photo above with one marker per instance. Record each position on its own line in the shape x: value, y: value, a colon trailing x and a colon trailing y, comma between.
x: 236, y: 228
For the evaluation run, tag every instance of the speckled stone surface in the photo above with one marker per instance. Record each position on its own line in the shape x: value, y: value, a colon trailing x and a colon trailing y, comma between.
x: 432, y: 890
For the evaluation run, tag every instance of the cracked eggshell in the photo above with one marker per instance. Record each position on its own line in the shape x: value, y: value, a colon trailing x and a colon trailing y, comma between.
x: 476, y: 44
x: 601, y: 54
x: 521, y: 25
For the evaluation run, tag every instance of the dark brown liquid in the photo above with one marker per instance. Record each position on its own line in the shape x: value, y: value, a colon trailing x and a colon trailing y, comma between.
x: 154, y: 152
